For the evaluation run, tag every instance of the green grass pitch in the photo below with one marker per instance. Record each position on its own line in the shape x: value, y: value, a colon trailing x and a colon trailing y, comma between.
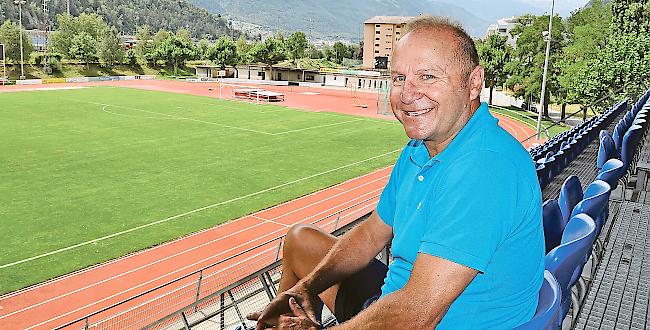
x: 80, y: 164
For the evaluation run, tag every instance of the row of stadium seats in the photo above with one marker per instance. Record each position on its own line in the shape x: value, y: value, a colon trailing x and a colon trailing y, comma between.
x: 573, y: 223
x: 557, y: 153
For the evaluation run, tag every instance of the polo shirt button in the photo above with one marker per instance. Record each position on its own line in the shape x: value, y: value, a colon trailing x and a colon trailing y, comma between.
x: 420, y: 178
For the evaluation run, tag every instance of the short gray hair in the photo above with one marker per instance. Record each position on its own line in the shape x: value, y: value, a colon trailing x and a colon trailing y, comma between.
x: 465, y: 53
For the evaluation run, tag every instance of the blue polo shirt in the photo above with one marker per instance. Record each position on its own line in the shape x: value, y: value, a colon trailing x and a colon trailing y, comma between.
x: 477, y: 203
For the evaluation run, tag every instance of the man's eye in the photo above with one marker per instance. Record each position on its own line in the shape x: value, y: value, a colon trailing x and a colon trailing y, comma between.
x: 427, y: 76
x: 399, y: 79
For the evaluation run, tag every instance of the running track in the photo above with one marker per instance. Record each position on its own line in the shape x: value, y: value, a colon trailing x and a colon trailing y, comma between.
x: 75, y: 295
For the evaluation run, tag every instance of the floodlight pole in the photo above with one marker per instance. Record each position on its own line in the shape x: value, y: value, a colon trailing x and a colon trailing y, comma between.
x: 20, y: 4
x: 4, y: 63
x: 548, y: 38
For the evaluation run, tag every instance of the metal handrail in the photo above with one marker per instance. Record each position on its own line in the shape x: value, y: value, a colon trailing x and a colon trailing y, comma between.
x: 280, y: 239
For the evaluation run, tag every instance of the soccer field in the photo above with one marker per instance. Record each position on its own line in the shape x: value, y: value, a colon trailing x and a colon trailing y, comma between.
x: 83, y: 164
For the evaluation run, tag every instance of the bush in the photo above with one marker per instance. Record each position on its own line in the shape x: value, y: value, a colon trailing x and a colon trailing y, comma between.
x: 55, y: 64
x: 130, y: 58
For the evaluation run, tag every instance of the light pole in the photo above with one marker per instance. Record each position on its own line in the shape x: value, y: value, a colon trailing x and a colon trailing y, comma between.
x: 4, y: 63
x: 20, y: 4
x: 547, y: 37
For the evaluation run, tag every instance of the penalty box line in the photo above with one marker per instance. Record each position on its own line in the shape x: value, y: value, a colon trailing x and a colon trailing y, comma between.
x: 193, y: 211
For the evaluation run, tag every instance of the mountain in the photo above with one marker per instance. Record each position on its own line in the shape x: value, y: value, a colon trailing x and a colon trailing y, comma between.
x: 125, y: 15
x: 335, y: 19
x: 496, y: 9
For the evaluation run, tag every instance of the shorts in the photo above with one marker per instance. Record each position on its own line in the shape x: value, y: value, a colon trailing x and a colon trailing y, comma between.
x: 359, y: 291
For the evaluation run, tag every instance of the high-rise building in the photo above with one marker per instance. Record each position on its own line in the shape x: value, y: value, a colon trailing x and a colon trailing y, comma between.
x: 380, y: 34
x: 503, y: 27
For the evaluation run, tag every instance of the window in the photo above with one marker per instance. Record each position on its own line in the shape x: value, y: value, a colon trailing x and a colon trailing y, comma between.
x: 376, y: 45
x: 377, y: 32
x: 376, y: 52
x: 397, y: 33
x: 377, y: 25
x: 309, y: 77
x: 377, y: 38
x: 502, y: 30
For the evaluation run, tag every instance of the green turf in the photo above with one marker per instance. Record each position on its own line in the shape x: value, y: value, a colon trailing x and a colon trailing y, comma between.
x: 76, y: 165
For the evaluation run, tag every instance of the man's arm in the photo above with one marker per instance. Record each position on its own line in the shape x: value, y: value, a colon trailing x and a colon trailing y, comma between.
x: 433, y: 286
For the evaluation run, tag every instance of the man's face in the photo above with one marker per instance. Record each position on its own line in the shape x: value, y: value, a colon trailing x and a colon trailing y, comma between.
x: 430, y: 91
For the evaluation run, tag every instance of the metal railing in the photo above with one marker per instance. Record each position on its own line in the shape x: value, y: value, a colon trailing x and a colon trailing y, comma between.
x: 222, y: 289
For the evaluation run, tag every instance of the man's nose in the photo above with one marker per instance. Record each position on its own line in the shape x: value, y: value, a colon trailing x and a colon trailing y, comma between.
x: 410, y: 92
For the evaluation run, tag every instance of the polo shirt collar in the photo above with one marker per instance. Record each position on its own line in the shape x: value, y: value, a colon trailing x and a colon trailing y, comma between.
x: 420, y: 156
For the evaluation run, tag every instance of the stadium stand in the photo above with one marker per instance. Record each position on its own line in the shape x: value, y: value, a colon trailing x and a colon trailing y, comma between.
x: 596, y: 237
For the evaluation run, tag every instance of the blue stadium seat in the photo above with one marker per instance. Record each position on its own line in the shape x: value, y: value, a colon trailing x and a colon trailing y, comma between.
x: 570, y: 195
x: 566, y: 260
x: 547, y: 315
x: 553, y: 224
x: 619, y: 131
x: 606, y: 150
x: 629, y: 146
x: 594, y: 202
x: 611, y: 172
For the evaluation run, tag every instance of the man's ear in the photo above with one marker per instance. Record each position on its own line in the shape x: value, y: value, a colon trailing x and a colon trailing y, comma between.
x: 476, y: 82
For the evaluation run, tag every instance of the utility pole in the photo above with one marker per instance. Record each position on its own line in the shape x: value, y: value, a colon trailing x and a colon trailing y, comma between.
x: 4, y: 64
x: 46, y: 31
x: 20, y: 4
x: 547, y: 36
x: 68, y: 7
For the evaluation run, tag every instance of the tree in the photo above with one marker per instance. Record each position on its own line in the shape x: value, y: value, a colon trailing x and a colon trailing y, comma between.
x: 630, y: 16
x: 70, y: 27
x: 494, y: 54
x: 144, y: 43
x: 527, y: 65
x: 587, y: 33
x: 243, y: 49
x: 313, y: 52
x: 341, y: 51
x: 175, y: 51
x: 296, y: 45
x: 223, y: 53
x: 110, y: 49
x: 83, y: 48
x: 269, y: 52
x: 201, y: 49
x: 10, y: 37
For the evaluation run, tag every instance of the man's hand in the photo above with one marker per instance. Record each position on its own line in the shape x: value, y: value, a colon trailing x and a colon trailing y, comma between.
x: 280, y: 308
x: 300, y: 320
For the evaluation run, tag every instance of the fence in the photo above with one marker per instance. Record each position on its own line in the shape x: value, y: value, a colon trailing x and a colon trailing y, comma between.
x: 222, y: 292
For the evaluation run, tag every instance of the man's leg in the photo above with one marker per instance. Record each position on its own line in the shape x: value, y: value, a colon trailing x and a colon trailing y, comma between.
x: 304, y: 247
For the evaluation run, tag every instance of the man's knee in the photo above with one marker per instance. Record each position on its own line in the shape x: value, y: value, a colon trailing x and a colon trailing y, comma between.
x: 307, y: 239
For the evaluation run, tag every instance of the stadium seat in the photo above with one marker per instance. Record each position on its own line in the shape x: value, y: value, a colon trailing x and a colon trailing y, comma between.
x: 547, y: 315
x: 566, y: 260
x: 553, y: 224
x: 617, y: 136
x: 594, y: 202
x: 611, y: 172
x: 606, y: 149
x: 570, y: 195
x: 629, y: 146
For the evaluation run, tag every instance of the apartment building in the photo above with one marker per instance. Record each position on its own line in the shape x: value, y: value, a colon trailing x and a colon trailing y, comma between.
x: 380, y: 34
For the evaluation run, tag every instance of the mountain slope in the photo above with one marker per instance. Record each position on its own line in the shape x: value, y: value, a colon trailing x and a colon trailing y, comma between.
x: 330, y: 19
x: 125, y: 15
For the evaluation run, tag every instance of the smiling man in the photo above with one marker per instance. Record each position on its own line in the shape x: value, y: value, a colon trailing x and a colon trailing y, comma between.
x: 462, y: 210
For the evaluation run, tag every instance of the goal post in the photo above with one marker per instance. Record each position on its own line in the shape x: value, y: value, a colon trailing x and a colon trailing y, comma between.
x: 383, y: 100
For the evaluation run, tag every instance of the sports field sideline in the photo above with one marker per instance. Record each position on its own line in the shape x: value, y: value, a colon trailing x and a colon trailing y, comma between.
x: 80, y: 165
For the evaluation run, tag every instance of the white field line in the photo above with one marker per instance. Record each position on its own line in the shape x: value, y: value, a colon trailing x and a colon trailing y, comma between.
x: 514, y: 131
x: 187, y: 251
x: 195, y: 211
x: 60, y: 278
x: 319, y: 126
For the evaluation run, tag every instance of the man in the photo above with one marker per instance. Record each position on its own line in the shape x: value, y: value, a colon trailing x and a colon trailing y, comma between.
x: 462, y: 207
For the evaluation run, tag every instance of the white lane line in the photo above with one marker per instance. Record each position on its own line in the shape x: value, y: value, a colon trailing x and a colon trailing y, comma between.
x: 177, y: 117
x: 194, y: 211
x: 319, y: 126
x: 186, y: 251
x: 221, y: 226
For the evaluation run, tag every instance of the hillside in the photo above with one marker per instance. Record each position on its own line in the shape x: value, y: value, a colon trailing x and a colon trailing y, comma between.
x: 126, y: 15
x: 330, y: 19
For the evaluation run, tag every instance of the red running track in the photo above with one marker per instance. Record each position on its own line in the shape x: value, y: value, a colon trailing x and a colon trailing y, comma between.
x: 72, y: 296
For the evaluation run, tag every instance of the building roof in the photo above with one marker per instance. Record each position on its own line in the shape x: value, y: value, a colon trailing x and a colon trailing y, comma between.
x: 388, y: 20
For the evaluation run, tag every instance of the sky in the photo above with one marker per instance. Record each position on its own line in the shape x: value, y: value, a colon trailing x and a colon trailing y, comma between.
x: 563, y: 7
